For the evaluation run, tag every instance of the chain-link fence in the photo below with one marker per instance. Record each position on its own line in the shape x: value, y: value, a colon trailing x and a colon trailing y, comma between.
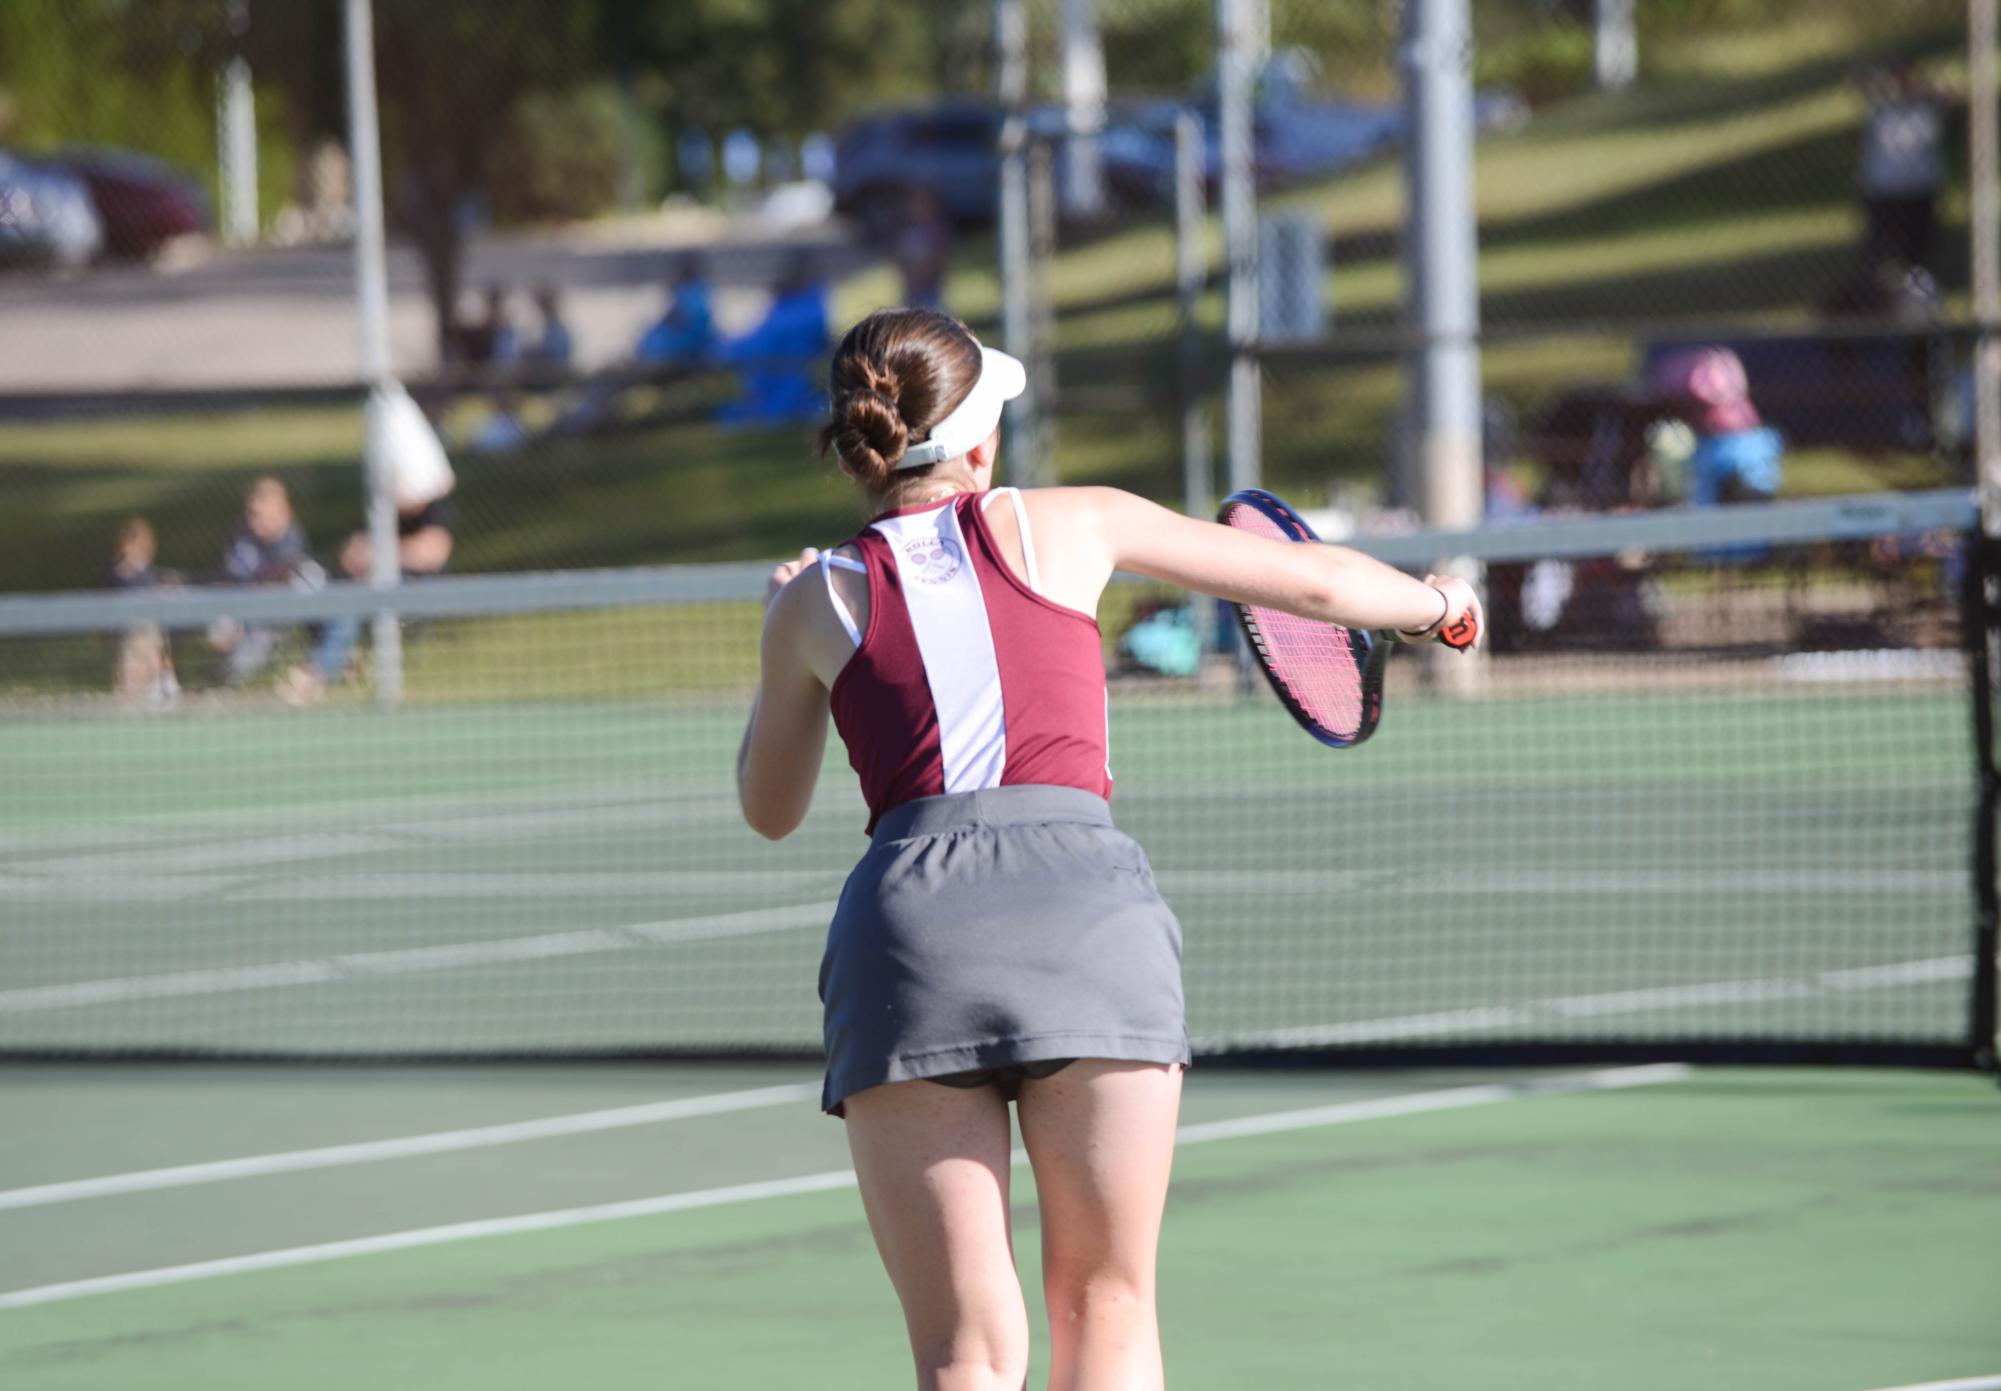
x: 1736, y: 269
x: 623, y: 232
x: 612, y: 274
x: 1719, y: 783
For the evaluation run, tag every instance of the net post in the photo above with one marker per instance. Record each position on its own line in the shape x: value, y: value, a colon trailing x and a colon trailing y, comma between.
x: 1981, y: 618
x: 1984, y: 224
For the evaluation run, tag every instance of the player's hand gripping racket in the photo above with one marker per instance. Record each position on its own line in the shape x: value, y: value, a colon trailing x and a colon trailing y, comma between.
x: 1329, y: 677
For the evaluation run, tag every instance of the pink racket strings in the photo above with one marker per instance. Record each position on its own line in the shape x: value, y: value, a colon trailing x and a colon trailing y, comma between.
x: 1314, y: 665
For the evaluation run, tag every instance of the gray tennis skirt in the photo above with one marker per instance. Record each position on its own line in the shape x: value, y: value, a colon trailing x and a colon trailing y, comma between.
x: 992, y: 929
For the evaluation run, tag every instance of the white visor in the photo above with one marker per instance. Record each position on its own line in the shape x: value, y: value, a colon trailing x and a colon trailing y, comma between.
x: 1002, y: 378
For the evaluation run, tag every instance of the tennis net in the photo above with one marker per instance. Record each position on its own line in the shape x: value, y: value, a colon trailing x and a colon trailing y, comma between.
x: 1716, y: 791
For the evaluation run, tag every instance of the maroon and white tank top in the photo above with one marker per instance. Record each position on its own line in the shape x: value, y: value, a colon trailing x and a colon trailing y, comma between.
x: 966, y: 677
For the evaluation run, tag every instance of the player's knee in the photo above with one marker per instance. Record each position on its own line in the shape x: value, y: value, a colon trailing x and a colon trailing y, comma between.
x: 976, y: 1341
x: 972, y: 1363
x: 1082, y: 1293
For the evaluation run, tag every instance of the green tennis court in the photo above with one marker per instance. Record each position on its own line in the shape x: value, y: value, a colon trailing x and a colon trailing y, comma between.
x: 1826, y: 1231
x: 1675, y: 848
x: 1781, y: 861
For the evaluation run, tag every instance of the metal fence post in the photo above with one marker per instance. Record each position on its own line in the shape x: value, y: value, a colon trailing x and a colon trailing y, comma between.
x: 372, y: 300
x: 236, y: 131
x: 1084, y: 109
x: 1191, y: 273
x: 1615, y: 51
x: 1017, y: 319
x: 1443, y: 295
x: 1240, y: 242
x: 1983, y: 151
x: 1043, y: 202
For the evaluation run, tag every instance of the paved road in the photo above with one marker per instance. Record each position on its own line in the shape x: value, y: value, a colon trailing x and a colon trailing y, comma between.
x: 285, y: 316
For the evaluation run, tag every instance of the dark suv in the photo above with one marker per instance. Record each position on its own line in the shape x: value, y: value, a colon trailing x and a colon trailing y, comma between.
x: 948, y: 151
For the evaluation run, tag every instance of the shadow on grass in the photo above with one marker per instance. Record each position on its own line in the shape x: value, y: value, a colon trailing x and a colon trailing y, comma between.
x: 1681, y: 100
x: 1814, y: 172
x: 1774, y: 282
x: 685, y: 493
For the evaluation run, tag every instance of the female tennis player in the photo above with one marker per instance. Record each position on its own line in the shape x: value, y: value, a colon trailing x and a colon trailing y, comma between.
x: 1000, y: 940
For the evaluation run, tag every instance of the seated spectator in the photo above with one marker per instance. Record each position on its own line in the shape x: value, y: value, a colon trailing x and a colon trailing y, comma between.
x: 268, y: 547
x: 503, y: 430
x: 491, y: 340
x: 922, y: 249
x: 1735, y: 457
x: 422, y: 482
x: 685, y: 334
x: 143, y: 673
x: 553, y: 346
x: 1162, y: 638
x: 1504, y: 496
x: 782, y: 357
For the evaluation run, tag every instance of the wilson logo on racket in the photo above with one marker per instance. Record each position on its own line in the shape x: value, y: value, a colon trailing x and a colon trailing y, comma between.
x: 934, y: 558
x: 1461, y: 633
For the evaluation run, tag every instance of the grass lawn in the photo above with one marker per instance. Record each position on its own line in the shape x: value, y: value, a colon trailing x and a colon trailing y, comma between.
x: 1695, y: 198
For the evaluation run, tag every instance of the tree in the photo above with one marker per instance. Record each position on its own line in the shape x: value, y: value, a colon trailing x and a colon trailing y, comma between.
x: 449, y: 75
x: 781, y: 67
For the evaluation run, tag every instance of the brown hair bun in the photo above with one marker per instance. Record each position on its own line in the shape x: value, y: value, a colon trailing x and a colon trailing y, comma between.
x: 896, y: 374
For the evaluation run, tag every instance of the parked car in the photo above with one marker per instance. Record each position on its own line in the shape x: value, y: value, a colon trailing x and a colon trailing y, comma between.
x: 46, y: 216
x: 950, y: 150
x: 1296, y: 135
x: 142, y: 202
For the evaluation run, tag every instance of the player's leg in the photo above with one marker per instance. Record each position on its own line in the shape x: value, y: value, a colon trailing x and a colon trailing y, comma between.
x: 933, y: 1165
x: 1100, y: 1135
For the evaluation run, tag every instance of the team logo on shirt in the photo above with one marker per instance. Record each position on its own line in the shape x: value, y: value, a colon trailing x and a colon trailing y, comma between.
x: 934, y: 559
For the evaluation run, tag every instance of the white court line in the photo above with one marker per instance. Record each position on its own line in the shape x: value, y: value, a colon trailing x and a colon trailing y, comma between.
x: 1992, y: 1383
x: 217, y: 848
x: 186, y: 879
x: 522, y: 812
x: 403, y: 1147
x: 320, y: 886
x: 1487, y: 882
x: 409, y: 960
x: 1341, y: 1113
x: 1721, y: 992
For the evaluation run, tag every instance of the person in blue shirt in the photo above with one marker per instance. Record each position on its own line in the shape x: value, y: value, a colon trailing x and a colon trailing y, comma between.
x: 685, y: 333
x: 683, y: 337
x: 553, y: 346
x: 782, y: 357
x: 1736, y: 458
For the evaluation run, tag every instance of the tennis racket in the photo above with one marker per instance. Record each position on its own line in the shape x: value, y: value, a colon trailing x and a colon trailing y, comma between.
x: 1329, y: 678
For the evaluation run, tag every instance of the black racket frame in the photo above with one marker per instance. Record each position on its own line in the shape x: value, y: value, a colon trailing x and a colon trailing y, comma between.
x: 1371, y: 649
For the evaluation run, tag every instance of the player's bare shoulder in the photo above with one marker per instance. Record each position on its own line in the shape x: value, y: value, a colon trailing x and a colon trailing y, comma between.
x: 802, y: 616
x: 1075, y: 516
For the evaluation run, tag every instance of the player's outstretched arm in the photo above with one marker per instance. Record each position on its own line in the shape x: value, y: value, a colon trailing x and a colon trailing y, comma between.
x: 1330, y: 583
x: 779, y: 760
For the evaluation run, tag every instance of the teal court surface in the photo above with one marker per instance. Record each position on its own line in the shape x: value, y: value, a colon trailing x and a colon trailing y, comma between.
x: 639, y: 1225
x: 436, y: 961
